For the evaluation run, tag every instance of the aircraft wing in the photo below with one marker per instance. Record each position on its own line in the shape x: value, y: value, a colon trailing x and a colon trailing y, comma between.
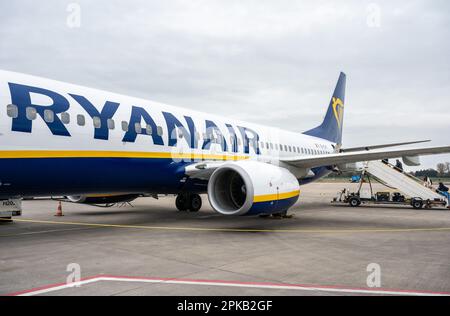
x: 342, y: 158
x: 352, y: 149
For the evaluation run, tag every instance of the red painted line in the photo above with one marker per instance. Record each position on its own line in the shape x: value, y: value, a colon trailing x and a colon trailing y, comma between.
x: 307, y: 286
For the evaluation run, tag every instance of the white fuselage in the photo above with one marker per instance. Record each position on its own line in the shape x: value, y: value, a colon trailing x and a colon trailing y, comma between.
x: 37, y: 127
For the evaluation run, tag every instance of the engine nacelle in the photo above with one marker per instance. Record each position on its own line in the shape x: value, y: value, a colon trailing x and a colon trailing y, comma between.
x: 411, y: 160
x: 251, y: 188
x: 102, y: 199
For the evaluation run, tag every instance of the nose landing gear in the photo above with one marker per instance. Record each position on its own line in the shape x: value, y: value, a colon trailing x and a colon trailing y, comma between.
x: 188, y: 202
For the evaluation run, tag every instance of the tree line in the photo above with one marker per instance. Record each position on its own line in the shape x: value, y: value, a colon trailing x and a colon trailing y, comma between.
x: 442, y: 170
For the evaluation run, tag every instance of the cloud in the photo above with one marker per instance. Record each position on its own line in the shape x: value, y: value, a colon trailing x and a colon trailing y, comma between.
x: 270, y: 62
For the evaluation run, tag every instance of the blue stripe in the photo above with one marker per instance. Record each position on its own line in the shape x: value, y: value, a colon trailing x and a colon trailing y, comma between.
x: 271, y: 207
x: 70, y: 176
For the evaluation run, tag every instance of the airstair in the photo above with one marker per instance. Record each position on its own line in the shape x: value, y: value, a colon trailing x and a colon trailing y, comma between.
x: 403, y: 182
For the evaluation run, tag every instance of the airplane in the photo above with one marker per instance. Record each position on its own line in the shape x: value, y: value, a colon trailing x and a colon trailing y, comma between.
x: 92, y: 146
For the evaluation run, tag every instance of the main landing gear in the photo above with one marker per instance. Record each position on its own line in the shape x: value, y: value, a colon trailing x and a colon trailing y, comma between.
x: 188, y: 202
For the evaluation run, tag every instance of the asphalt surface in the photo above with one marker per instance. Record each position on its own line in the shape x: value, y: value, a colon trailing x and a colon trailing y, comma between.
x: 324, y: 248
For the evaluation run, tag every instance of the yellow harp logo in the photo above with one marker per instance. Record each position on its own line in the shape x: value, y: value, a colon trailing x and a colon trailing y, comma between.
x: 338, y: 110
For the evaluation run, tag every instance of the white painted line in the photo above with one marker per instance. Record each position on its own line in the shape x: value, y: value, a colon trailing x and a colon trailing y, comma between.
x: 295, y: 287
x: 58, y: 287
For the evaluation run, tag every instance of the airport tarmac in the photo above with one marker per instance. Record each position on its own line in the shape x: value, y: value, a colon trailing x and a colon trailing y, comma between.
x: 149, y: 248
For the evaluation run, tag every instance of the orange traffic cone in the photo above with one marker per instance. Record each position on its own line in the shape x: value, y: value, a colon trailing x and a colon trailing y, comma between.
x: 59, y: 210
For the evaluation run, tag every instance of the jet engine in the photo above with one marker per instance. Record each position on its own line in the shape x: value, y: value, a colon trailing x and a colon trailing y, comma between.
x: 251, y: 188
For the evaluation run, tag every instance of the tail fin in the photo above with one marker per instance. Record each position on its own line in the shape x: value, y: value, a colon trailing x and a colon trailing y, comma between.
x: 331, y: 127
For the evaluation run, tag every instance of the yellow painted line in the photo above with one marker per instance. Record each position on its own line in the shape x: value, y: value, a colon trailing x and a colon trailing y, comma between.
x: 47, y: 231
x: 273, y: 197
x: 243, y: 230
x: 21, y: 154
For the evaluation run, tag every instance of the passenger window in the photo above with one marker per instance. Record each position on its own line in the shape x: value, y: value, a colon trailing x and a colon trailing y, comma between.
x: 261, y: 145
x: 148, y: 129
x: 271, y: 146
x: 285, y: 148
x: 65, y: 117
x: 12, y: 110
x: 31, y: 113
x: 124, y: 126
x: 49, y: 116
x: 80, y: 120
x: 137, y: 128
x: 111, y: 124
x: 159, y: 131
x: 97, y: 122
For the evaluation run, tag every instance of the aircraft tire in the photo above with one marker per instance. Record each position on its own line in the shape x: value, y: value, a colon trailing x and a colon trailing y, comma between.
x: 195, y: 203
x: 182, y: 202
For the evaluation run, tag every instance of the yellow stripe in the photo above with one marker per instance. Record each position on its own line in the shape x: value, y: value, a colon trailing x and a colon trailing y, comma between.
x: 19, y: 154
x: 273, y: 197
x: 239, y: 230
x: 104, y: 195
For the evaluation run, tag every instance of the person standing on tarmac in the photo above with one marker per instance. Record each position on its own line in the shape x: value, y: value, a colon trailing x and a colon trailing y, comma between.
x: 427, y: 182
x: 442, y: 187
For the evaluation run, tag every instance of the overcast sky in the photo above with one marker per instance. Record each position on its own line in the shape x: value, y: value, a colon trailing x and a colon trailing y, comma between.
x: 270, y: 62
